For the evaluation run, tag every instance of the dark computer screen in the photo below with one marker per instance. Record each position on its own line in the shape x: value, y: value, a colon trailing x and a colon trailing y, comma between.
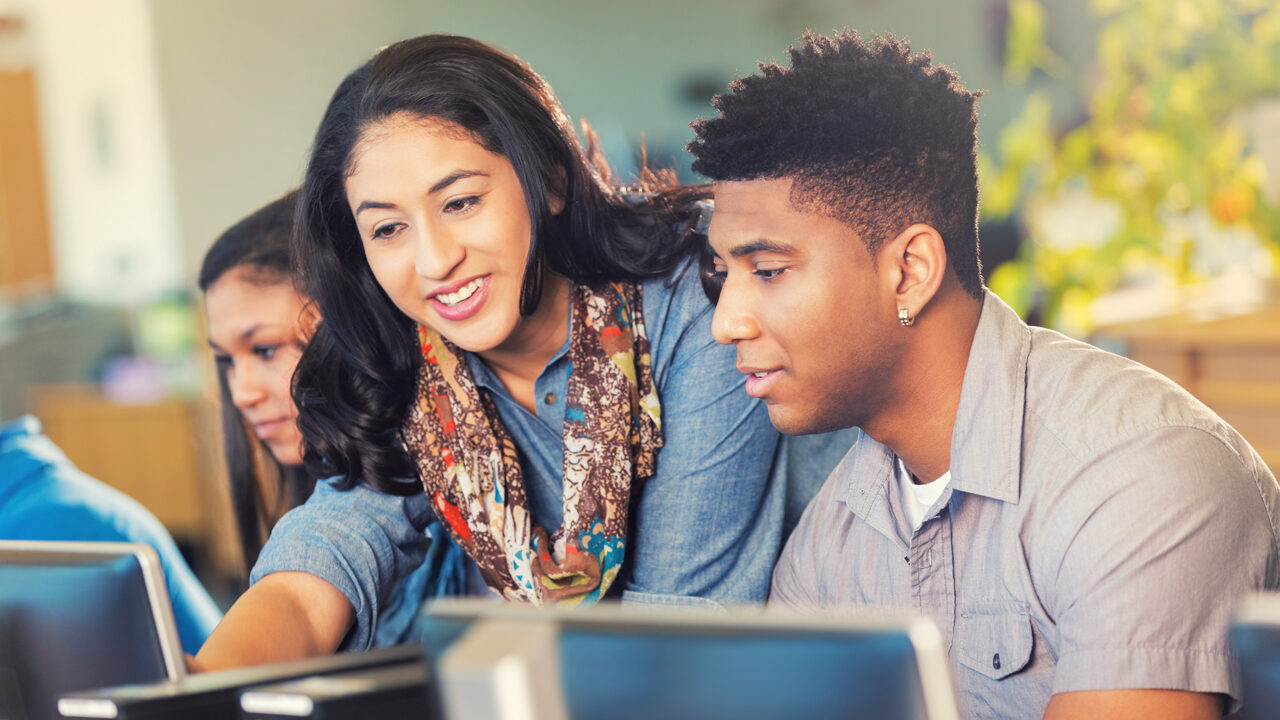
x: 617, y: 664
x: 72, y: 619
x: 1255, y: 637
x: 624, y: 674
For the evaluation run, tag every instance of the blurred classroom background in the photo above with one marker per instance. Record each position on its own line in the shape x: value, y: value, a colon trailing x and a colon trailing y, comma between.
x: 1130, y: 169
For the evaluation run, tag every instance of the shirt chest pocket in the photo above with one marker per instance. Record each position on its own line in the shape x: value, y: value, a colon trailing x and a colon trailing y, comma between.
x: 995, y: 641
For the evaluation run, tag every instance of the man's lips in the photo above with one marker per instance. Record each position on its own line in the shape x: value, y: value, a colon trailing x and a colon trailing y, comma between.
x: 760, y: 380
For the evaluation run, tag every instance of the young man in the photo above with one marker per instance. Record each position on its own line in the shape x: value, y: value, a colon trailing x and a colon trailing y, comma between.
x: 1078, y: 526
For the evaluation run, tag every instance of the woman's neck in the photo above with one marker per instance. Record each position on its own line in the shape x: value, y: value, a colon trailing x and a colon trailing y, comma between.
x: 521, y: 358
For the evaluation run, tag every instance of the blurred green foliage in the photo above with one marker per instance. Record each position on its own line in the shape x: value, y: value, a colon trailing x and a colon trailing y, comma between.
x: 1158, y: 166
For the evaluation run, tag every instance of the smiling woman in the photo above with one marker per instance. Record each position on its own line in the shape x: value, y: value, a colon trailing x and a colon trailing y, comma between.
x: 515, y: 369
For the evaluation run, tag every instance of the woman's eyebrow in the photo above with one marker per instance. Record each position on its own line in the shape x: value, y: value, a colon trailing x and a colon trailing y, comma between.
x: 443, y: 183
x: 454, y: 177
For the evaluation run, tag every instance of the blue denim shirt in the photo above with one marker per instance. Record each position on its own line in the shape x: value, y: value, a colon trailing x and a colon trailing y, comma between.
x: 705, y: 531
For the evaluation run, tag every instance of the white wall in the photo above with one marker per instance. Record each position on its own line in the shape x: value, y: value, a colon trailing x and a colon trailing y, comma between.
x: 108, y: 169
x: 165, y: 121
x: 245, y: 83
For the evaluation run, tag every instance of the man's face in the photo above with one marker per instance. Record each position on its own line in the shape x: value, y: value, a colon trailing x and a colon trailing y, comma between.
x: 813, y: 319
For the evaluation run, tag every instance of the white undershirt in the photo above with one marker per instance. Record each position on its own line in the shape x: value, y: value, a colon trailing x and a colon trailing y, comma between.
x: 917, y: 499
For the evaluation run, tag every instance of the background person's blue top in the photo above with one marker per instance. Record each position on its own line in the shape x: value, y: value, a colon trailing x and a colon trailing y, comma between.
x: 706, y: 529
x: 44, y: 497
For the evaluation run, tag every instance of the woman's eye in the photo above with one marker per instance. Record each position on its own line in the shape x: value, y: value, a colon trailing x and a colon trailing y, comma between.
x: 265, y: 352
x: 222, y: 361
x: 461, y: 205
x: 769, y: 273
x: 385, y: 231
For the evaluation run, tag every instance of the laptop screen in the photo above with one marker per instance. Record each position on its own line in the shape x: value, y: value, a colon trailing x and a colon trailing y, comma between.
x: 1255, y: 638
x: 77, y: 615
x: 624, y: 662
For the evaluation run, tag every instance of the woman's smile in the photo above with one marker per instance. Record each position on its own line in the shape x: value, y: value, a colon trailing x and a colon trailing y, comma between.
x: 463, y: 303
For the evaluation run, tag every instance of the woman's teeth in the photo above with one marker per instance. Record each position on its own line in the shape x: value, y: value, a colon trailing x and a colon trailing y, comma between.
x: 760, y: 374
x: 463, y: 293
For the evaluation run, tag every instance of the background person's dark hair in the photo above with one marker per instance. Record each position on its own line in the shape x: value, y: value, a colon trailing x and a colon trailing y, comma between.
x: 873, y: 135
x: 355, y: 379
x: 262, y: 244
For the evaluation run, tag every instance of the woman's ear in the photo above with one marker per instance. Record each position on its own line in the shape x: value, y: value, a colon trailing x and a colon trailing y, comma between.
x: 557, y: 190
x: 917, y: 263
x: 308, y: 320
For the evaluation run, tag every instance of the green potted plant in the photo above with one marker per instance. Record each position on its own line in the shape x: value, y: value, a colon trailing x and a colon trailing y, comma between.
x: 1160, y: 186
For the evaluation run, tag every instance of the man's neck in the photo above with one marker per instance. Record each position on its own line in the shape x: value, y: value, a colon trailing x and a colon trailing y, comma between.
x: 919, y: 422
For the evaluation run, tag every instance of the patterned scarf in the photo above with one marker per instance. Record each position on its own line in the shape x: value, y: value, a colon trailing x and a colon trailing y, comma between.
x: 470, y: 468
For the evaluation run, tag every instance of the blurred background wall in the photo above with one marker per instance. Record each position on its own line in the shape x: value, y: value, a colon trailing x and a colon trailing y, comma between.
x: 152, y: 125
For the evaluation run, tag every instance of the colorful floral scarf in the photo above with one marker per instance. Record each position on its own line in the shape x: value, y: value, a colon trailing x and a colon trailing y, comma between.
x: 470, y: 469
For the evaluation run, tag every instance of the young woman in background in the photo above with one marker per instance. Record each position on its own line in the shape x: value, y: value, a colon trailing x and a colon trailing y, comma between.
x: 258, y: 322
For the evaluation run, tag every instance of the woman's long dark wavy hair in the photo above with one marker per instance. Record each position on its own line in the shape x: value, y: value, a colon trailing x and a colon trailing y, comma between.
x: 355, y: 378
x: 261, y: 243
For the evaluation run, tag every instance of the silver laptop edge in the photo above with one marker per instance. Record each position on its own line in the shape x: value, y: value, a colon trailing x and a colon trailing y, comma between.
x: 152, y: 577
x: 926, y: 639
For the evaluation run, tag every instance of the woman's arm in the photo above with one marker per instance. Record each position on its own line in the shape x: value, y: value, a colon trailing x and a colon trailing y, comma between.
x: 324, y: 578
x: 284, y: 616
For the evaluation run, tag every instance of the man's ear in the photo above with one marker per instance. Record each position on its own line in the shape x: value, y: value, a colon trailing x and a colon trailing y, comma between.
x: 916, y: 261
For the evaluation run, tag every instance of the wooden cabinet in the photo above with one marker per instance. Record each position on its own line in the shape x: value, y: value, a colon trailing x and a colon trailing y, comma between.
x: 26, y: 263
x: 147, y: 451
x: 1232, y: 364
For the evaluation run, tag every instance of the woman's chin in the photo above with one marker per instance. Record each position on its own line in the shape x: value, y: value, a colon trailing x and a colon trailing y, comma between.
x: 287, y: 455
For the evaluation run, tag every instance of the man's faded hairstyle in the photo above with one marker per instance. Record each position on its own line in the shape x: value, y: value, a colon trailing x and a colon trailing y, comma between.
x: 872, y: 134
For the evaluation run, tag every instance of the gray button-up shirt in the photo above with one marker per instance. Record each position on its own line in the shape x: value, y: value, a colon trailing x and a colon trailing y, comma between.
x: 1100, y: 525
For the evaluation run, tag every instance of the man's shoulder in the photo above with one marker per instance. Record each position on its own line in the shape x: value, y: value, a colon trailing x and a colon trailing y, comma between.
x: 1091, y: 400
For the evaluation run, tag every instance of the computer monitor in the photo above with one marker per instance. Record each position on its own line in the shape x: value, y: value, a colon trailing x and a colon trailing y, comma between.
x: 1255, y: 638
x: 624, y: 662
x: 77, y: 615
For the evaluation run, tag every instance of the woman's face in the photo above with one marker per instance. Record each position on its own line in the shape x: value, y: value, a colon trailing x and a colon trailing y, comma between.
x: 257, y: 330
x: 446, y: 231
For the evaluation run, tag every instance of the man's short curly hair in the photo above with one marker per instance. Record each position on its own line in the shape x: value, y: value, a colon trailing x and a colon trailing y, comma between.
x: 873, y: 135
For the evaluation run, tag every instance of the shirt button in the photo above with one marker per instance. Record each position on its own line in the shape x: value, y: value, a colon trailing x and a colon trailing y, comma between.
x: 549, y: 398
x: 995, y: 661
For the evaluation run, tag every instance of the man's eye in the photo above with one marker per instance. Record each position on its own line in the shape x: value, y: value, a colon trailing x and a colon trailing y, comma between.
x: 769, y: 273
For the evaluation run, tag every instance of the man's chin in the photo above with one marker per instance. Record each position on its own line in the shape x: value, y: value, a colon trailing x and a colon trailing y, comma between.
x: 793, y: 421
x: 789, y: 421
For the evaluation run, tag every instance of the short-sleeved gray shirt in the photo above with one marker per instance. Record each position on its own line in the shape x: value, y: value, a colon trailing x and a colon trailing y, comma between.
x: 1099, y: 527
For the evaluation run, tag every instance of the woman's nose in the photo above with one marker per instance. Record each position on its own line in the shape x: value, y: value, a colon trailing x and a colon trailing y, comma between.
x: 436, y: 254
x: 245, y: 386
